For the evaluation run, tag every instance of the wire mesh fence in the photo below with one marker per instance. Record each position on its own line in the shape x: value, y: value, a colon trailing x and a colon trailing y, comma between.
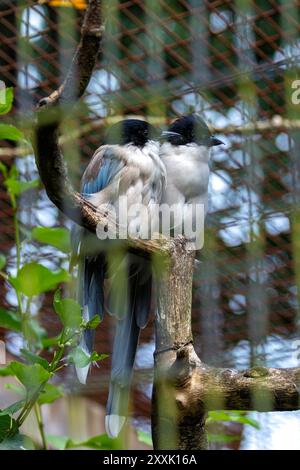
x: 235, y: 63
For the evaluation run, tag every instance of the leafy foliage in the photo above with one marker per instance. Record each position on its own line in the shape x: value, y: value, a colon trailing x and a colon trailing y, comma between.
x: 69, y: 311
x: 35, y: 374
x: 9, y: 98
x: 234, y: 416
x: 144, y: 437
x: 2, y: 261
x: 102, y: 442
x: 81, y: 359
x: 58, y: 237
x: 10, y: 132
x: 16, y: 187
x: 5, y: 425
x: 18, y: 442
x: 34, y: 279
x: 10, y: 320
x: 31, y: 376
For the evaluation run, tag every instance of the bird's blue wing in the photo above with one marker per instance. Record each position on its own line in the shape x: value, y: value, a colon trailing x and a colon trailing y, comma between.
x: 103, y: 168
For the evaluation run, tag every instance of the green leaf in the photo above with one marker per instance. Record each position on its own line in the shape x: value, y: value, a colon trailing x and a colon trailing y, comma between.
x: 79, y: 357
x: 33, y: 279
x: 31, y: 376
x: 17, y: 187
x: 82, y: 359
x: 102, y: 442
x: 50, y: 394
x: 144, y: 437
x: 94, y: 322
x: 223, y: 438
x: 18, y: 442
x: 10, y: 410
x: 9, y: 98
x: 6, y: 371
x: 50, y: 342
x: 57, y: 237
x: 98, y: 357
x: 2, y: 261
x: 68, y: 310
x: 34, y: 332
x: 34, y: 358
x: 5, y: 425
x: 10, y: 132
x: 10, y: 320
x: 234, y: 416
x: 58, y: 442
x: 3, y: 170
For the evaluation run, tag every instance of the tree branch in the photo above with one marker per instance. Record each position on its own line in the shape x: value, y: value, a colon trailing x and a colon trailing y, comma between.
x: 203, y: 388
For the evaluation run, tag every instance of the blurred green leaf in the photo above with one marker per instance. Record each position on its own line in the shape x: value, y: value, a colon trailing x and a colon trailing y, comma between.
x: 58, y: 442
x: 31, y: 376
x: 144, y: 437
x: 50, y: 342
x: 98, y: 357
x: 79, y: 357
x: 34, y: 332
x: 5, y: 425
x: 234, y: 416
x: 222, y: 438
x: 17, y: 187
x: 6, y: 371
x: 9, y: 98
x: 102, y: 442
x: 68, y: 310
x: 94, y: 322
x: 3, y: 170
x: 10, y: 410
x: 97, y: 443
x: 2, y: 261
x: 57, y: 237
x: 10, y: 320
x: 18, y: 442
x: 49, y: 394
x: 10, y: 132
x: 82, y: 359
x: 34, y: 358
x: 33, y: 279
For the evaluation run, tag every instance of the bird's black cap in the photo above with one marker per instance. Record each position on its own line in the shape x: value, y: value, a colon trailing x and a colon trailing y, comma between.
x: 130, y: 131
x: 189, y: 129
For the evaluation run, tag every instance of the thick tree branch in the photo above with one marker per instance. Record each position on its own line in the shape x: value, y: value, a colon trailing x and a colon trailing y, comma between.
x: 202, y: 388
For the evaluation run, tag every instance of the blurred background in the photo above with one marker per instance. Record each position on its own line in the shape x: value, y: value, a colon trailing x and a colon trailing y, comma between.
x: 235, y: 63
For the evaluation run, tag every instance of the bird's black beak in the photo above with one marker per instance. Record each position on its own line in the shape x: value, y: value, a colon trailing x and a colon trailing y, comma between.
x: 215, y: 141
x: 165, y: 135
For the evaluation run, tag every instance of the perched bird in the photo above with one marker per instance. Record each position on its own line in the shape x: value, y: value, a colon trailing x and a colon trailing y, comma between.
x: 128, y: 165
x: 186, y: 155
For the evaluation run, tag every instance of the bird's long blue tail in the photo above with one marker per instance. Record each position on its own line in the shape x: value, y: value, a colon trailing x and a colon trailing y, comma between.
x: 91, y: 273
x: 127, y: 332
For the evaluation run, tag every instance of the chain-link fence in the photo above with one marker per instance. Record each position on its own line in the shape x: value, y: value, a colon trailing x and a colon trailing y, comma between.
x: 236, y: 63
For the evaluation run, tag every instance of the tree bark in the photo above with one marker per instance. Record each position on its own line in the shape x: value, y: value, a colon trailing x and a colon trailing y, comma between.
x: 184, y: 388
x: 174, y: 426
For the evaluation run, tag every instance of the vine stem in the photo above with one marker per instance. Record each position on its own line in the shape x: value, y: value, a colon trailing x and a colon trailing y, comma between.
x: 52, y: 368
x: 39, y: 418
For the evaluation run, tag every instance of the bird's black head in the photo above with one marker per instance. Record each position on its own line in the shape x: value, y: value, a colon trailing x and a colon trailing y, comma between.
x: 190, y: 129
x: 131, y: 131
